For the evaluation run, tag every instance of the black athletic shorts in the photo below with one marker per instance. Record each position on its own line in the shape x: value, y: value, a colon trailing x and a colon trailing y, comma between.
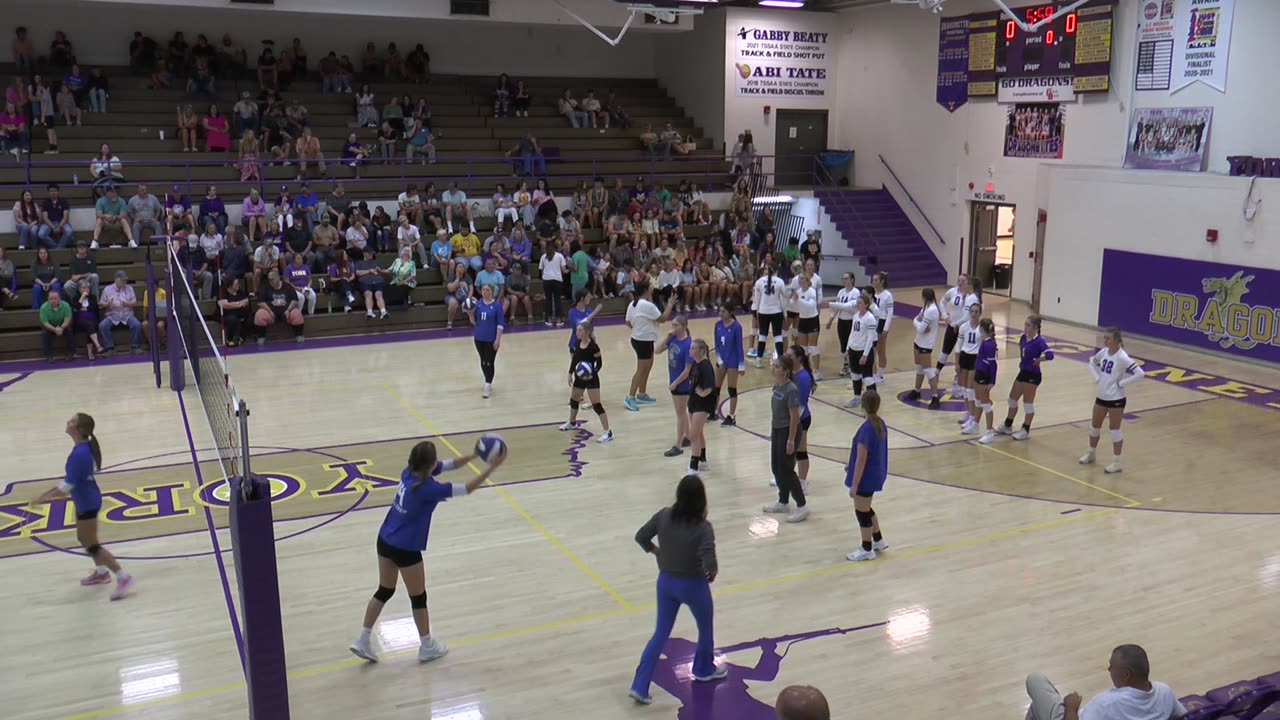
x: 880, y: 326
x: 856, y: 366
x: 699, y: 404
x: 643, y: 348
x: 88, y: 514
x: 1111, y: 404
x: 591, y: 383
x: 922, y: 351
x: 681, y: 393
x: 401, y: 558
x: 982, y: 378
x: 967, y: 361
x: 1030, y: 378
x: 809, y: 326
x: 805, y: 422
x: 793, y: 314
x: 867, y: 496
x: 949, y: 339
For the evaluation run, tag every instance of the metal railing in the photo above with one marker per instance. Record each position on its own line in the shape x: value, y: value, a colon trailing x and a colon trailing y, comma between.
x: 914, y: 204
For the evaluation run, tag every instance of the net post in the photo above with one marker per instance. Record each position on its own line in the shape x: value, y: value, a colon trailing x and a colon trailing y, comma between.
x: 242, y: 413
x: 177, y: 369
x: 152, y: 319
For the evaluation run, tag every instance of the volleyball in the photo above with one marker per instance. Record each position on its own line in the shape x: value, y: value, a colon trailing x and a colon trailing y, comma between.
x: 469, y: 304
x: 490, y: 447
x: 584, y: 370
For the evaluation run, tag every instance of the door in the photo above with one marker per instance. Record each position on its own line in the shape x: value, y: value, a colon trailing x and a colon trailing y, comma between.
x: 799, y: 135
x: 1042, y: 222
x: 982, y: 245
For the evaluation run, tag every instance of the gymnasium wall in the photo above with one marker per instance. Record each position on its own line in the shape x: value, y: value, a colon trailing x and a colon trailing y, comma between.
x: 686, y: 64
x: 531, y: 41
x: 887, y: 106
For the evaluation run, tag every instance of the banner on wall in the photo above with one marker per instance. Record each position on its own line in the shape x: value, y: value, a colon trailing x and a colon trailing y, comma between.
x: 953, y: 63
x: 1209, y: 305
x: 1168, y: 138
x: 1202, y: 42
x: 1053, y: 89
x: 1034, y: 131
x: 1155, y: 45
x: 780, y: 61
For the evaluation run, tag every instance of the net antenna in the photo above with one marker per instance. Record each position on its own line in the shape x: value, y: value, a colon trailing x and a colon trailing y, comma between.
x: 661, y: 14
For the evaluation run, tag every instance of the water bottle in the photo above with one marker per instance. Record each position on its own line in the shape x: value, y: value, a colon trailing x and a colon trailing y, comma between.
x: 75, y: 179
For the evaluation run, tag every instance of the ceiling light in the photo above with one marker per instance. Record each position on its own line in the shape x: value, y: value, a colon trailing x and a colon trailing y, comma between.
x: 782, y: 3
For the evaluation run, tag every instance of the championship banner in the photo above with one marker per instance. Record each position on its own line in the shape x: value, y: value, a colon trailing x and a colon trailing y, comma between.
x: 1220, y: 307
x: 1055, y: 89
x: 1168, y: 139
x: 780, y: 61
x: 1035, y: 131
x: 953, y: 63
x: 1155, y: 46
x: 1202, y: 42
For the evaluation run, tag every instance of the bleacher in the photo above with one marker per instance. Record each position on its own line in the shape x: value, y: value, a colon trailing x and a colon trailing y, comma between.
x: 1257, y: 699
x: 470, y: 144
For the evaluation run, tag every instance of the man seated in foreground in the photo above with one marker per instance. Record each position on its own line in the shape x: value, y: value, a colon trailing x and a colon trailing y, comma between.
x: 1134, y: 696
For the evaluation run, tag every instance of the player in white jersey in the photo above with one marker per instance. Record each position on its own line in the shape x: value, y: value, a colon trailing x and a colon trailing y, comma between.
x: 1112, y: 370
x: 755, y: 320
x: 970, y: 341
x: 844, y: 318
x: 883, y: 311
x: 815, y: 344
x: 772, y: 292
x: 861, y: 345
x: 793, y: 315
x: 926, y: 324
x: 955, y: 306
x: 805, y: 301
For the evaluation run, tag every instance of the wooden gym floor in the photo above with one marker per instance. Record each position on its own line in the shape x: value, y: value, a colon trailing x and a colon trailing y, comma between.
x: 1004, y: 558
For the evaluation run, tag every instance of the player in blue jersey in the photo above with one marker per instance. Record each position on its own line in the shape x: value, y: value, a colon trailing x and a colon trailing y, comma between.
x: 581, y: 311
x: 1032, y: 351
x: 865, y: 475
x: 805, y: 383
x: 488, y: 319
x: 730, y: 360
x: 403, y: 537
x: 677, y: 346
x: 80, y: 485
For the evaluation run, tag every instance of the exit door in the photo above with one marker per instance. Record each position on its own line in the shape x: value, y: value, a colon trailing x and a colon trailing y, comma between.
x: 799, y: 135
x: 991, y: 248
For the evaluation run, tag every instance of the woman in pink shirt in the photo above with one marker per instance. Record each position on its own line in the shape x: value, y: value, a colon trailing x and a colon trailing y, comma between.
x: 541, y: 195
x: 13, y: 131
x: 216, y: 138
x: 253, y: 213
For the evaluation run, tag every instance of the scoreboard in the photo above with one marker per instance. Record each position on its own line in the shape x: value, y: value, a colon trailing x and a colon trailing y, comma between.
x: 1077, y: 44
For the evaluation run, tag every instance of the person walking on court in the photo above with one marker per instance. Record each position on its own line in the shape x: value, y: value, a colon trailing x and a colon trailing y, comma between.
x: 488, y: 319
x: 1132, y: 697
x: 80, y: 485
x: 403, y: 537
x: 586, y: 354
x: 865, y: 475
x: 730, y: 361
x: 1112, y: 371
x: 1032, y: 350
x: 686, y: 552
x: 785, y: 408
x: 643, y: 317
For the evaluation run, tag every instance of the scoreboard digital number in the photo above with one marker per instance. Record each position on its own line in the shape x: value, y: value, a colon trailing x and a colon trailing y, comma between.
x: 1077, y: 43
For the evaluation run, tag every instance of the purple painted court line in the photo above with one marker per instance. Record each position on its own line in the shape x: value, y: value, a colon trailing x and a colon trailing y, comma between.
x: 730, y: 698
x: 13, y: 381
x: 213, y: 537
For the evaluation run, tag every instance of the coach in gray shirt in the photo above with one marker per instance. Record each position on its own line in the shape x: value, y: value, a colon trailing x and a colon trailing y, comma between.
x: 145, y: 210
x: 686, y: 553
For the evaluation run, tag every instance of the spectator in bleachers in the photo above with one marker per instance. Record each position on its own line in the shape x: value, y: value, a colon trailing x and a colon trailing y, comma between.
x: 44, y: 112
x: 309, y: 152
x: 493, y: 278
x: 673, y: 141
x: 212, y: 209
x: 597, y: 199
x: 8, y: 280
x: 455, y: 202
x: 382, y: 229
x: 26, y: 220
x: 457, y: 290
x: 618, y: 117
x: 617, y: 231
x: 523, y: 201
x: 521, y: 100
x: 329, y: 82
x: 277, y: 302
x: 403, y: 278
x: 13, y: 132
x: 569, y: 108
x: 24, y: 52
x: 298, y: 58
x: 112, y: 213
x: 742, y: 155
x: 188, y: 123
x: 203, y: 51
x: 368, y: 274
x: 531, y: 160
x: 421, y: 111
x: 309, y: 202
x: 408, y: 235
x: 1133, y: 697
x: 246, y: 114
x: 195, y: 264
x: 177, y: 53
x: 297, y: 239
x: 298, y: 273
x: 393, y: 64
x: 265, y: 259
x: 337, y: 205
x: 117, y: 303
x: 518, y: 293
x: 442, y: 253
x: 801, y: 702
x: 253, y: 215
x: 231, y: 58
x: 85, y: 318
x: 61, y: 53
x: 417, y: 64
x: 342, y: 277
x: 653, y: 144
x: 216, y: 135
x: 236, y: 313
x: 268, y: 72
x: 366, y: 111
x: 45, y: 277
x: 466, y: 250
x: 570, y: 230
x: 55, y: 216
x: 595, y: 112
x: 580, y: 201
x: 83, y: 270
x: 324, y: 243
x: 17, y: 94
x: 503, y: 206
x: 233, y: 260
x: 55, y: 322
x: 619, y: 199
x: 371, y: 62
x: 521, y: 247
x: 99, y: 90
x: 418, y: 141
x: 357, y: 236
x: 142, y: 53
x: 387, y: 139
x: 211, y: 242
x: 77, y: 83
x: 145, y: 212
x: 410, y: 204
x: 393, y: 114
x: 68, y: 107
x: 276, y: 137
x: 346, y: 73
x: 543, y: 200
x: 502, y: 94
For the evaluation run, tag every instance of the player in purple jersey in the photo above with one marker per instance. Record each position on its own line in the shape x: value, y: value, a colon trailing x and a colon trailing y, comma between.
x: 984, y: 378
x: 1032, y: 351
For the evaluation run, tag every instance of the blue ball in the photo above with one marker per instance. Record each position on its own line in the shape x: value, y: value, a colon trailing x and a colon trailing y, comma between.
x: 490, y: 447
x: 584, y: 370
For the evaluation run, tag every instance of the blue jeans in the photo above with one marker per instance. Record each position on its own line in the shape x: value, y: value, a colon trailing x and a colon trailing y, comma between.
x: 37, y: 293
x: 109, y: 343
x: 672, y: 593
x: 533, y: 164
x: 45, y: 235
x: 219, y: 222
x: 28, y: 236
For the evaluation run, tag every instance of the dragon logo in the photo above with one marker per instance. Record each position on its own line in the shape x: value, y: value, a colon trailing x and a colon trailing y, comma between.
x: 1228, y: 292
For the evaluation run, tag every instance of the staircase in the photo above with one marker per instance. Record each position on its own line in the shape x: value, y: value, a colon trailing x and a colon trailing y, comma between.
x: 882, y: 237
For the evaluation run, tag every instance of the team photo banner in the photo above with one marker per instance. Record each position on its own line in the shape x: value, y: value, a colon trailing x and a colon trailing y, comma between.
x: 1034, y: 130
x: 780, y: 61
x: 1228, y: 308
x: 1053, y: 89
x: 1168, y: 139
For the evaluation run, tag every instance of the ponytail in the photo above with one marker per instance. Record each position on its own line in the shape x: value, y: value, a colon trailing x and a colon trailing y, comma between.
x: 84, y: 425
x: 96, y: 449
x: 802, y: 357
x: 768, y: 283
x: 871, y: 406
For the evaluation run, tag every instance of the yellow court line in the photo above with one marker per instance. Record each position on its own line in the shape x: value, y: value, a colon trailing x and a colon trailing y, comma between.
x: 620, y: 612
x: 1131, y: 502
x: 511, y: 501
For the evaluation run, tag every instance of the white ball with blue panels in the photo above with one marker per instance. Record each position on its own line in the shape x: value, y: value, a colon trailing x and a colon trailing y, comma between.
x: 490, y: 447
x: 584, y: 370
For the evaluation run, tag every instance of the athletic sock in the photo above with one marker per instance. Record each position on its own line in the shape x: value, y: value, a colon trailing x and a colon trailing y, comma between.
x: 1008, y: 422
x: 866, y: 545
x: 693, y: 464
x: 365, y: 633
x: 702, y: 456
x: 1026, y: 426
x: 101, y: 570
x: 425, y: 639
x: 877, y: 537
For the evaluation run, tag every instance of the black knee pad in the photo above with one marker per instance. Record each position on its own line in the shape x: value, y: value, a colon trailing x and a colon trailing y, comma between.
x: 418, y: 602
x: 864, y: 517
x: 802, y: 455
x: 598, y: 408
x: 384, y: 593
x: 93, y: 550
x: 575, y: 404
x: 733, y: 392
